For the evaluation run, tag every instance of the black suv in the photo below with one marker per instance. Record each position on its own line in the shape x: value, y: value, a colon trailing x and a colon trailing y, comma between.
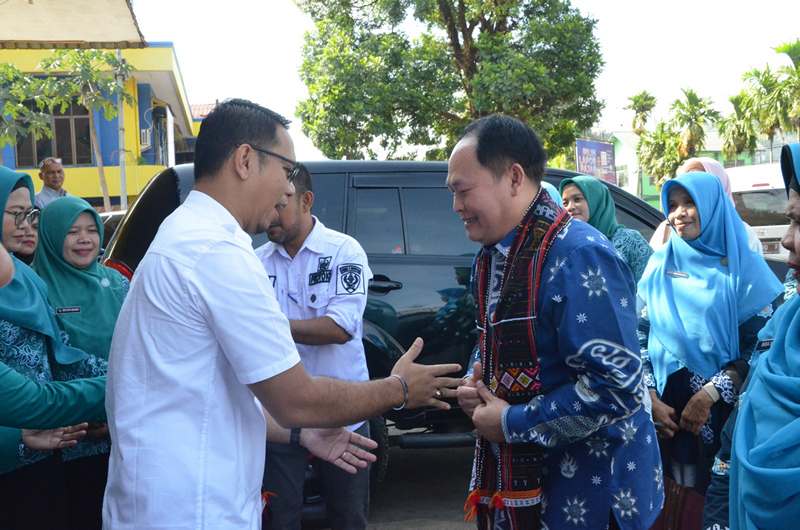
x: 401, y: 213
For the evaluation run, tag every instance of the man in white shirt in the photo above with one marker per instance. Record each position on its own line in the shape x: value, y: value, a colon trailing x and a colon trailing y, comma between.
x: 52, y: 174
x: 320, y: 278
x: 201, y: 336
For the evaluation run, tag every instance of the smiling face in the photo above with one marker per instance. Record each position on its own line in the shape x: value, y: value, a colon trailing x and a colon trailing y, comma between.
x: 21, y: 239
x: 683, y: 215
x: 575, y: 203
x: 271, y: 181
x: 791, y: 239
x: 480, y: 199
x: 82, y: 244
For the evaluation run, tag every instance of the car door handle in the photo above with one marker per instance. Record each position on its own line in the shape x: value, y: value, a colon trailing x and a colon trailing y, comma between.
x: 382, y: 284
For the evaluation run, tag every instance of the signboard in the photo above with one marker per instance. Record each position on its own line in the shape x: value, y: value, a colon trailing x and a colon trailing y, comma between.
x: 596, y: 158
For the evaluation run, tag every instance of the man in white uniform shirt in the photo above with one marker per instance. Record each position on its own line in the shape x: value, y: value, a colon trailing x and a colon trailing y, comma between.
x: 320, y: 278
x: 201, y: 336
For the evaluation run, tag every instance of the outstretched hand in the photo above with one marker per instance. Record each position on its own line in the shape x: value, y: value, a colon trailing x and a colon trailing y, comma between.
x: 61, y: 438
x: 340, y: 447
x: 488, y: 415
x: 467, y: 392
x: 426, y: 386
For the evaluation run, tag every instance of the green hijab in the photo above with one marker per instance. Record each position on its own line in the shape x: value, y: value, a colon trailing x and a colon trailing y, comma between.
x: 602, y: 212
x: 87, y: 301
x: 23, y: 302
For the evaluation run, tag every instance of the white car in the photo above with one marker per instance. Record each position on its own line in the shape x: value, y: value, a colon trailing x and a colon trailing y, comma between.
x: 760, y: 199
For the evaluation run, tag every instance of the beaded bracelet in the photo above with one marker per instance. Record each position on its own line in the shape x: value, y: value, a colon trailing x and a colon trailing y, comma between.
x: 405, y: 391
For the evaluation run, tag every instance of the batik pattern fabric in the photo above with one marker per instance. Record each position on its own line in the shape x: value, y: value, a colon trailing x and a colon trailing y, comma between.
x: 601, y: 457
x: 506, y: 487
x: 26, y: 352
x: 634, y: 249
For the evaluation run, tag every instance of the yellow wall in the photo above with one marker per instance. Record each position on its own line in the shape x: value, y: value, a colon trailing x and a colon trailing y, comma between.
x: 84, y: 181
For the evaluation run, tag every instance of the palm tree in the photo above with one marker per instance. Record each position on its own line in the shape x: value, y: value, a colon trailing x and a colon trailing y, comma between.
x: 690, y: 116
x: 787, y: 94
x: 737, y: 129
x: 642, y: 105
x: 763, y: 103
x: 659, y: 152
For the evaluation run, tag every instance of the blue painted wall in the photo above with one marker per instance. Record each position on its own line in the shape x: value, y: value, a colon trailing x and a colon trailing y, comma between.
x: 146, y: 118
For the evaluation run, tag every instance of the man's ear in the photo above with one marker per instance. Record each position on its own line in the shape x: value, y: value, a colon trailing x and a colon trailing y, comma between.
x: 518, y: 177
x: 308, y: 201
x: 242, y: 161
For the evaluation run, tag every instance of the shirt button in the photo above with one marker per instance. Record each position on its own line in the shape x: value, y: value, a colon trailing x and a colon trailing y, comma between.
x: 313, y: 298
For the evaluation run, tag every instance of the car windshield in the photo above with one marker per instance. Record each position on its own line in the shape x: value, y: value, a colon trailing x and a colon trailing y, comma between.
x: 762, y: 207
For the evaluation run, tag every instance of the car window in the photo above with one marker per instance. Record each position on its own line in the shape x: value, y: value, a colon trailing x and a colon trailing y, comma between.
x: 378, y: 226
x: 761, y: 207
x: 329, y: 200
x: 630, y: 221
x: 431, y: 225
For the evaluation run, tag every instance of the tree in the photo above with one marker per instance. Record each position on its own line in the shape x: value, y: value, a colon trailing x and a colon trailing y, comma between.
x: 761, y: 102
x: 372, y: 85
x: 691, y: 116
x: 737, y: 129
x: 24, y: 107
x: 642, y: 104
x: 659, y: 152
x: 787, y: 93
x: 90, y: 78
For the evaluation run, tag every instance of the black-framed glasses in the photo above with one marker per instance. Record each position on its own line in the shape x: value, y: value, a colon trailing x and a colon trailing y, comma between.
x: 292, y: 173
x: 31, y: 216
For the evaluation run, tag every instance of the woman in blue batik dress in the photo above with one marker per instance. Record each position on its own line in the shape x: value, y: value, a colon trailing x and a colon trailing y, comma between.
x: 706, y: 296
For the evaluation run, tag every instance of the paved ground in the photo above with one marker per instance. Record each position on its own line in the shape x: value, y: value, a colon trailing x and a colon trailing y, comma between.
x: 424, y: 489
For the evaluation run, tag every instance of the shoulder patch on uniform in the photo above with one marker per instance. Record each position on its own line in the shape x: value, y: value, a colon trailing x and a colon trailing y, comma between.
x: 350, y: 279
x: 323, y: 274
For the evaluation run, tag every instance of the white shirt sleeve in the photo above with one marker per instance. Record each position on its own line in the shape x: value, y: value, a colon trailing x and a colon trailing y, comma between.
x: 344, y: 307
x: 239, y: 304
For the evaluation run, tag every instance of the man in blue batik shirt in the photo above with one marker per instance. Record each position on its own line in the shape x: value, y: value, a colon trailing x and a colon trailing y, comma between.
x: 585, y: 415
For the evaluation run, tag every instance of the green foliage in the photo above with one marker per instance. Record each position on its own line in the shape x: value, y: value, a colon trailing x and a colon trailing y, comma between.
x: 642, y: 104
x: 737, y: 130
x: 23, y: 106
x: 371, y: 84
x: 691, y: 115
x: 90, y: 77
x: 659, y: 151
x: 787, y: 94
x: 766, y: 110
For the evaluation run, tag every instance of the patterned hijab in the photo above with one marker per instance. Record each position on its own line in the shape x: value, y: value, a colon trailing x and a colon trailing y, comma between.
x: 87, y: 301
x: 602, y: 212
x: 698, y: 292
x: 766, y: 442
x: 23, y: 302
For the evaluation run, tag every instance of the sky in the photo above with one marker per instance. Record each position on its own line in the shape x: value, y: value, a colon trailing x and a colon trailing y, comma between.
x: 253, y: 49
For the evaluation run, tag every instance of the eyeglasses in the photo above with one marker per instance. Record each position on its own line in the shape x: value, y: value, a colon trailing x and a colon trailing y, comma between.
x: 31, y: 216
x: 292, y: 173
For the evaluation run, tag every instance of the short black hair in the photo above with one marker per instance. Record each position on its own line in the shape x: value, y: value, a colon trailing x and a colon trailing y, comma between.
x: 503, y: 140
x: 302, y: 182
x: 230, y: 124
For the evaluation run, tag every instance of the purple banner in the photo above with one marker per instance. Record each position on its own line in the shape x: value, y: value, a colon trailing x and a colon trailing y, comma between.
x: 596, y: 158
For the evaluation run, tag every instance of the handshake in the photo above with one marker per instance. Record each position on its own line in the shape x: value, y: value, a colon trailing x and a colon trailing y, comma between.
x: 485, y: 409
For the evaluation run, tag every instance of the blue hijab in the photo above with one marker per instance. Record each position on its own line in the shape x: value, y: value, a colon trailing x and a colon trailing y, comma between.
x: 23, y: 301
x: 765, y: 459
x: 698, y: 292
x: 552, y: 191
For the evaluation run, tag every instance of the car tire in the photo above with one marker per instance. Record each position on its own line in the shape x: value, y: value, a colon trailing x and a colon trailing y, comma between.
x: 379, y: 432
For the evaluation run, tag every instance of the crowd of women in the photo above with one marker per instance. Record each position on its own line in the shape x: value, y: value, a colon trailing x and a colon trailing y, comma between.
x: 708, y: 300
x: 708, y: 330
x: 57, y: 316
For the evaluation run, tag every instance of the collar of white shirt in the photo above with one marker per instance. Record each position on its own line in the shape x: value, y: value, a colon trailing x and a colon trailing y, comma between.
x: 216, y: 214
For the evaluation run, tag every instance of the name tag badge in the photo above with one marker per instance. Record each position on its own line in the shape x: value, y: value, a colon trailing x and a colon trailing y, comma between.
x: 677, y: 274
x: 65, y: 310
